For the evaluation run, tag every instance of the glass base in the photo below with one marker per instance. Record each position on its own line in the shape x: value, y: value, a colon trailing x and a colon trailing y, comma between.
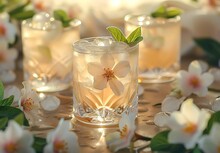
x: 101, y: 117
x: 156, y: 78
x: 52, y: 86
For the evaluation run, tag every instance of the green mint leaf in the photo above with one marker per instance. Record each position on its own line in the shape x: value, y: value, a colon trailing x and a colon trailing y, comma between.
x: 11, y: 113
x: 173, y: 12
x: 137, y: 40
x: 164, y: 12
x: 19, y: 8
x: 117, y: 34
x: 3, y: 123
x: 159, y: 12
x: 1, y: 91
x: 7, y: 101
x: 39, y: 144
x: 211, y: 47
x: 62, y: 17
x: 215, y: 118
x: 23, y: 15
x: 134, y: 35
x: 160, y: 143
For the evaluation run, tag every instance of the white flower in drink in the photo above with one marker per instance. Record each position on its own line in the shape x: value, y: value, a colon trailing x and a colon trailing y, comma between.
x: 211, y: 143
x: 187, y: 125
x: 15, y: 140
x: 194, y: 81
x: 29, y: 102
x: 7, y: 30
x: 62, y: 140
x: 122, y: 139
x: 107, y: 72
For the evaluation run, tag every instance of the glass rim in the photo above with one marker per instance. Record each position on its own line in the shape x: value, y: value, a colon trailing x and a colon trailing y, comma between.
x: 107, y: 48
x: 141, y: 20
x: 28, y: 23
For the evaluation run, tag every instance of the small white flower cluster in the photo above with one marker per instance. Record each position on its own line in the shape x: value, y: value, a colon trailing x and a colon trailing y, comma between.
x: 119, y: 140
x: 15, y: 139
x: 31, y: 103
x: 7, y: 55
x: 194, y: 81
x: 187, y: 126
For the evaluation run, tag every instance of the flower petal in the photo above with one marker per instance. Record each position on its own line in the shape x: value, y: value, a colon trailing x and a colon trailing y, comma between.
x: 116, y: 86
x: 99, y: 82
x: 195, y: 68
x: 171, y: 104
x: 216, y: 105
x: 107, y: 61
x: 206, y: 144
x: 207, y: 79
x: 160, y: 119
x: 215, y: 134
x: 122, y: 69
x: 190, y: 110
x: 95, y: 69
x: 50, y: 103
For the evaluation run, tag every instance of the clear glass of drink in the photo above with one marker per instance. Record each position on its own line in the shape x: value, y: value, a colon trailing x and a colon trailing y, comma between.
x: 105, y: 80
x: 47, y: 49
x: 159, y: 55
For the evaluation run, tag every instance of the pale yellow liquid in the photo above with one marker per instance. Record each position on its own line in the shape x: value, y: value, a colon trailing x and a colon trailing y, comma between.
x: 48, y: 57
x: 102, y: 107
x: 159, y: 53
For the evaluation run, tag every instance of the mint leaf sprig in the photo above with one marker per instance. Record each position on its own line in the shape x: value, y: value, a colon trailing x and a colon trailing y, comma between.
x: 62, y: 16
x: 164, y: 12
x: 133, y: 39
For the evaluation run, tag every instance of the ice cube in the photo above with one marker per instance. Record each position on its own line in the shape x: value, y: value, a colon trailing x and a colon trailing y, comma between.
x: 105, y: 41
x: 44, y: 21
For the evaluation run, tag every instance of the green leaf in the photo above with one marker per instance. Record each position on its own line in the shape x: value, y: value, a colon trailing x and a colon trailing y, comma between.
x: 23, y: 15
x: 159, y: 12
x: 3, y: 123
x: 62, y: 17
x: 117, y: 34
x: 134, y: 35
x: 1, y: 91
x: 18, y: 9
x: 173, y: 12
x: 39, y: 144
x: 215, y: 118
x: 165, y: 12
x: 19, y: 119
x: 196, y: 150
x: 7, y: 102
x: 11, y: 113
x: 137, y: 40
x: 160, y: 143
x: 211, y: 47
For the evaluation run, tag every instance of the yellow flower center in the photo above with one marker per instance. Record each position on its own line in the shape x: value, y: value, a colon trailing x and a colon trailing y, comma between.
x: 60, y: 147
x: 27, y: 104
x: 10, y: 148
x: 190, y: 128
x: 124, y: 131
x: 109, y: 74
x: 2, y: 30
x: 40, y: 6
x: 194, y: 81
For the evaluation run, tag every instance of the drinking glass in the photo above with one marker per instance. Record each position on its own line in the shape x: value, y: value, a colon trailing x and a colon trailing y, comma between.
x: 159, y: 56
x: 47, y: 48
x: 105, y: 80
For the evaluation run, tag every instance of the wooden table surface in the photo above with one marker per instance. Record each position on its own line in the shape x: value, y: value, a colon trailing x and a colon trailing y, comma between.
x: 92, y: 139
